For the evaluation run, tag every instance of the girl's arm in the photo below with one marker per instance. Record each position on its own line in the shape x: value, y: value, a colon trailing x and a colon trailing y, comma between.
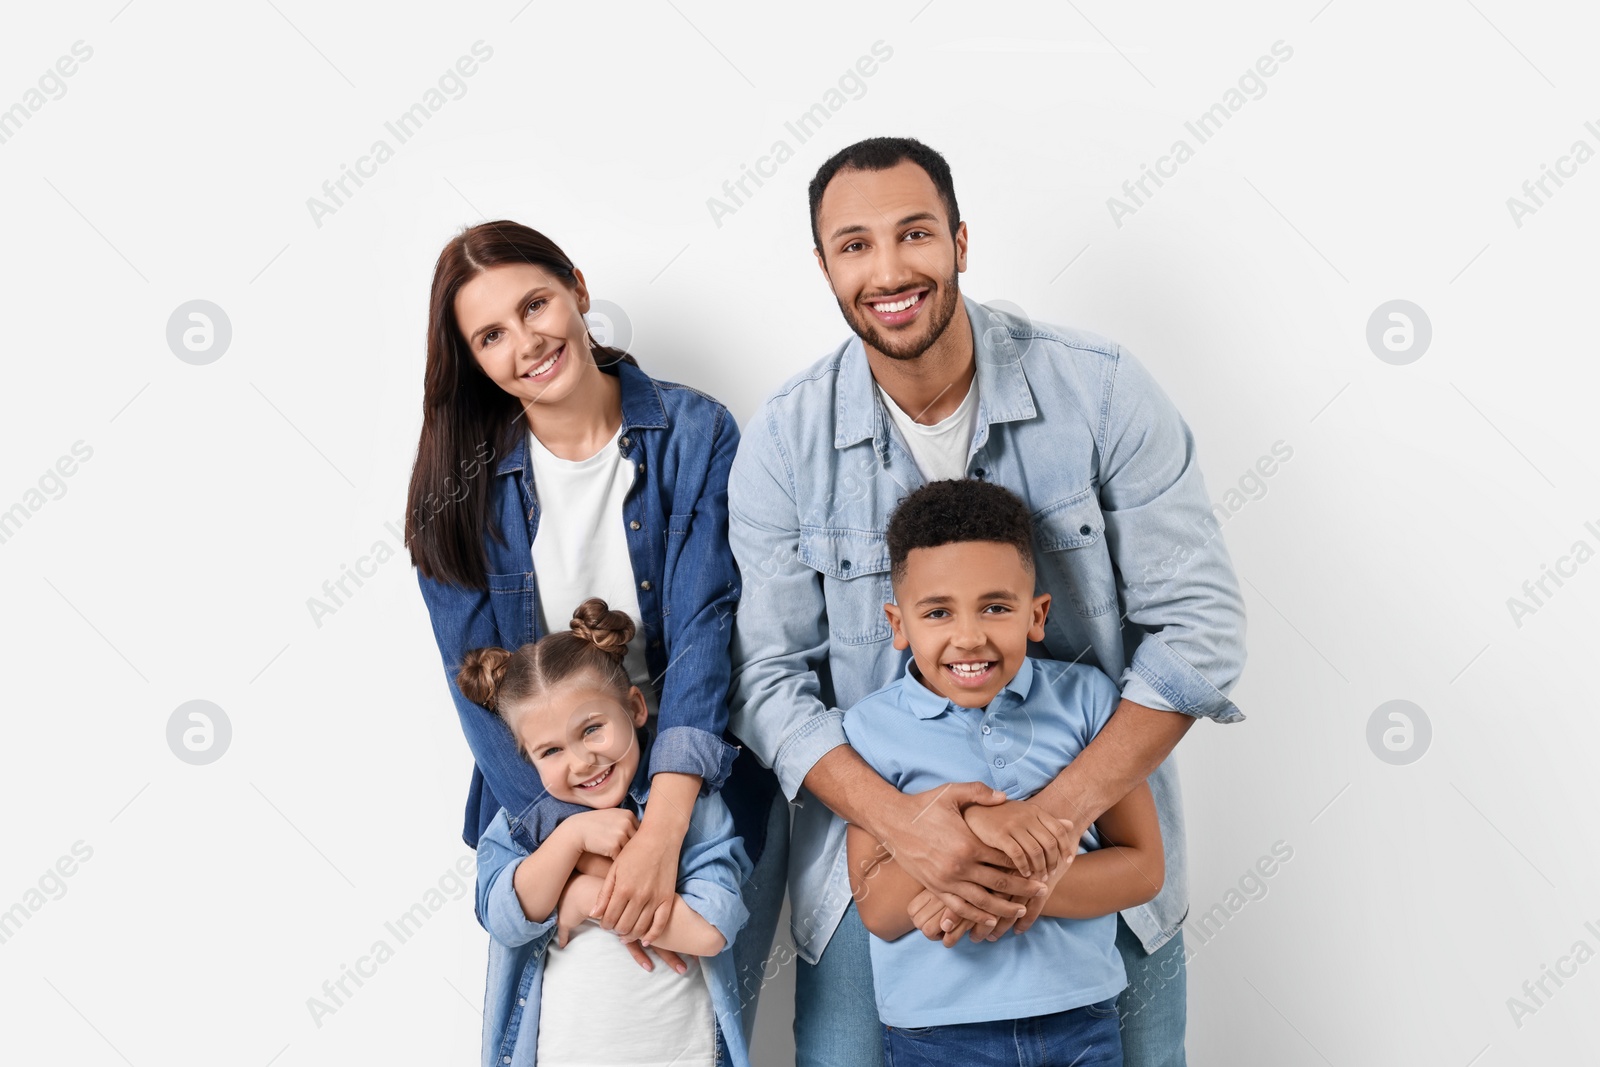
x: 1126, y: 872
x: 684, y: 931
x: 541, y: 877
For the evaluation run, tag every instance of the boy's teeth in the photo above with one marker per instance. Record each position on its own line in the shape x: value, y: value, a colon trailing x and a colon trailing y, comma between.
x: 970, y: 669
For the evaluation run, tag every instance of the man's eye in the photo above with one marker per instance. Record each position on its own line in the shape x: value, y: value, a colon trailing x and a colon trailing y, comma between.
x: 916, y: 233
x: 851, y: 246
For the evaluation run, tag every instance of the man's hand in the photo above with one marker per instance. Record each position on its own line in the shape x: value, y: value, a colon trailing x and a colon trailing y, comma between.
x: 1035, y: 841
x: 930, y: 840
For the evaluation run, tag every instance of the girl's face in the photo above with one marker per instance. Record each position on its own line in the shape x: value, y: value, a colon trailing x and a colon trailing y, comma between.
x: 582, y: 741
x: 525, y: 328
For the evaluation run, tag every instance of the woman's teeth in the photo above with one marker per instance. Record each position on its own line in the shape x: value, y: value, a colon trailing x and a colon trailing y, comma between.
x: 546, y: 365
x: 898, y: 305
x: 599, y: 780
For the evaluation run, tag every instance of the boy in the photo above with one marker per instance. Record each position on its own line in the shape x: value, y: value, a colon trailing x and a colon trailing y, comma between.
x: 973, y: 706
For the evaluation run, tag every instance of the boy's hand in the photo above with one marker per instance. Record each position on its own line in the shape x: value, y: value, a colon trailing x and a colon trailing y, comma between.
x: 603, y: 831
x: 927, y: 910
x: 1031, y: 837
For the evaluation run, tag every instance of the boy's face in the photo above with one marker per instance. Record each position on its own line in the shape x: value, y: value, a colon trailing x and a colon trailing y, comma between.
x: 967, y: 612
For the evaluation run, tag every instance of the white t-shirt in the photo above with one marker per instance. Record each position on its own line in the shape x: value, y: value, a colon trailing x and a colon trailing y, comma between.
x: 581, y: 547
x: 599, y: 1006
x: 941, y: 450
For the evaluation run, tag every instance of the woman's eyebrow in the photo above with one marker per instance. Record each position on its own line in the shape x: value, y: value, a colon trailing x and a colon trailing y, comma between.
x: 489, y: 326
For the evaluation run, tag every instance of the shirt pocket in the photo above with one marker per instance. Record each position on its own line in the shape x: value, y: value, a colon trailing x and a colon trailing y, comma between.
x: 855, y: 580
x: 1074, y: 555
x: 511, y: 601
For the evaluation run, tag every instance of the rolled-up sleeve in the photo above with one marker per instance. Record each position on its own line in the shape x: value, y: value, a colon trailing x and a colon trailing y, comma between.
x: 1179, y: 584
x: 781, y: 634
x: 499, y: 910
x: 701, y: 597
x: 712, y: 867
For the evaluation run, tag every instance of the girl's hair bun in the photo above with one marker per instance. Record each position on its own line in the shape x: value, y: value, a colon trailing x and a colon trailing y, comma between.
x: 482, y: 672
x: 605, y: 629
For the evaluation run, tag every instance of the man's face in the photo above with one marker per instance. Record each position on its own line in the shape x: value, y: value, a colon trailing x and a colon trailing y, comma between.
x: 890, y: 257
x: 967, y: 612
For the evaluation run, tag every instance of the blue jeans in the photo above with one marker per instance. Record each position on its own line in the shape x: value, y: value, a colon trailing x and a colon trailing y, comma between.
x: 836, y: 1019
x: 1079, y: 1037
x: 762, y: 893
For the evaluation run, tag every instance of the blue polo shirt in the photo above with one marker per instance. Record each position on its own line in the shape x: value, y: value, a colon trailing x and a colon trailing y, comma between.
x: 917, y: 740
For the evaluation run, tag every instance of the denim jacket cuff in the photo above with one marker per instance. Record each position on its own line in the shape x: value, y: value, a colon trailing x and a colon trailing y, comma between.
x: 1160, y: 678
x: 809, y: 742
x: 691, y: 750
x: 533, y: 825
x: 505, y: 919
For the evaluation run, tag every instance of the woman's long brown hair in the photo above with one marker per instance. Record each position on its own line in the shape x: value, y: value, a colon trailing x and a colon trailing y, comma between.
x: 468, y: 422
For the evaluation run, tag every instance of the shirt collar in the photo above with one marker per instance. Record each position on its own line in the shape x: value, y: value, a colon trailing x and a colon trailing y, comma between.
x: 926, y: 704
x: 642, y: 409
x: 1003, y: 393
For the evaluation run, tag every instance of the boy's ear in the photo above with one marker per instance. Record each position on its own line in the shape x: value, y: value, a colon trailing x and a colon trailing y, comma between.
x: 637, y: 707
x: 1041, y: 611
x: 892, y: 611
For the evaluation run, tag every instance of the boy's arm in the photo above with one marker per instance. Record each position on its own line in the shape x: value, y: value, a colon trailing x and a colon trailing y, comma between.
x: 1126, y: 872
x: 883, y: 891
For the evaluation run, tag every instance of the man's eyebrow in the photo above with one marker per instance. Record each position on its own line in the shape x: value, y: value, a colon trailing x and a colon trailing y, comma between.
x: 525, y: 298
x: 920, y: 216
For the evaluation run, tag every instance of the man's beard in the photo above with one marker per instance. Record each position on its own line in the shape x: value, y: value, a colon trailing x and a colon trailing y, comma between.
x: 937, y: 317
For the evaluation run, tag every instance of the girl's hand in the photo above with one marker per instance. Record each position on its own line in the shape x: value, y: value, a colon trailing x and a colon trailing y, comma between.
x: 635, y: 900
x: 573, y: 911
x: 593, y: 863
x: 603, y: 831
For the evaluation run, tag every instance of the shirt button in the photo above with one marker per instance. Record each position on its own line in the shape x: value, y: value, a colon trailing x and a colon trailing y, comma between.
x: 1084, y: 530
x: 998, y: 762
x: 985, y: 729
x: 645, y: 584
x: 505, y: 1059
x: 641, y: 466
x: 625, y: 442
x: 979, y: 473
x: 634, y: 525
x: 522, y: 1001
x: 844, y: 564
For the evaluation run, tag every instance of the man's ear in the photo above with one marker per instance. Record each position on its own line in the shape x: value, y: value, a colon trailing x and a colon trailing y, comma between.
x: 1041, y: 611
x: 639, y: 710
x: 892, y: 611
x: 822, y: 264
x: 961, y: 248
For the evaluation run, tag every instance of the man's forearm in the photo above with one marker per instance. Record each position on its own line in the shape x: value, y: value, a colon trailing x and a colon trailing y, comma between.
x: 1125, y: 752
x: 852, y: 790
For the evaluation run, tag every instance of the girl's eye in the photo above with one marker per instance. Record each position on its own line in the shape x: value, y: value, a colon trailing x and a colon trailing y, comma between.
x: 549, y: 751
x: 591, y: 728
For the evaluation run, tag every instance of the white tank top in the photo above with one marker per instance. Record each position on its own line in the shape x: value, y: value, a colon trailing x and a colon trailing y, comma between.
x: 601, y: 1009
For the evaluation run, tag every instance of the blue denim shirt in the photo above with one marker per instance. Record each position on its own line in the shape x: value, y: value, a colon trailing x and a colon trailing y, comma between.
x: 683, y: 443
x: 1126, y: 542
x: 711, y: 868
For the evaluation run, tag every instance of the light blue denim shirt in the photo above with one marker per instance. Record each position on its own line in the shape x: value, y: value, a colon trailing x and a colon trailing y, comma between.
x: 711, y: 868
x: 918, y: 740
x: 1127, y: 546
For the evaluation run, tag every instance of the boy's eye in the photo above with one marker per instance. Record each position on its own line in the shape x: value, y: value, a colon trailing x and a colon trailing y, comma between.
x: 998, y: 608
x: 937, y: 613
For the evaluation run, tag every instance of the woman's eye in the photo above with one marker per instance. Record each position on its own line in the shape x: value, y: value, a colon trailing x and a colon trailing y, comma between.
x: 534, y: 306
x: 490, y: 338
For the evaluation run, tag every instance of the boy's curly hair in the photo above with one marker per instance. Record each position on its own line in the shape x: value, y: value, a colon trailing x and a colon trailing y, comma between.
x: 956, y: 510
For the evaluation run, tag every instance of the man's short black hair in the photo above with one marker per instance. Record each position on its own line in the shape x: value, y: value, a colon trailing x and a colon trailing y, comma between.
x: 954, y: 511
x: 881, y: 153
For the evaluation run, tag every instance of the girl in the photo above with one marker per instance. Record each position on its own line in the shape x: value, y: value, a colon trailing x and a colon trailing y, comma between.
x: 578, y: 719
x: 551, y: 468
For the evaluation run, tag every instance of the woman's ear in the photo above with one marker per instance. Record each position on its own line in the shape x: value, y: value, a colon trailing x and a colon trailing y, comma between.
x: 580, y: 290
x: 637, y: 707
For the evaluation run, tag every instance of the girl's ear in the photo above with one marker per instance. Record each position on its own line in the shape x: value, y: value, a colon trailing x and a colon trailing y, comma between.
x: 636, y: 705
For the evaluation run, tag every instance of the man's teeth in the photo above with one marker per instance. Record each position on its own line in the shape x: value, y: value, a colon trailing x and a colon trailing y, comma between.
x: 898, y: 305
x: 969, y: 670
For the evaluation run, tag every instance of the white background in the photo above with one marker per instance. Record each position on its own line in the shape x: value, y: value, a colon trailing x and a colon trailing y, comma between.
x: 178, y: 562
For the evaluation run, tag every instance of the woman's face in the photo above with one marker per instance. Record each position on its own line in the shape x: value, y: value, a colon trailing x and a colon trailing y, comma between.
x: 525, y: 328
x: 583, y: 741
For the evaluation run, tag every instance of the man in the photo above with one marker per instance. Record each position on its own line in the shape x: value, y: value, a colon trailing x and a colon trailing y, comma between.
x: 935, y: 386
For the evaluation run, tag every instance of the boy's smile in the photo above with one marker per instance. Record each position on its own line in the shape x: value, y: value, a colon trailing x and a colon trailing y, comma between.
x: 967, y: 612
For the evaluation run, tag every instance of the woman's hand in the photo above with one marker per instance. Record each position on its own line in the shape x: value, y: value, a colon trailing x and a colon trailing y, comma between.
x: 635, y: 901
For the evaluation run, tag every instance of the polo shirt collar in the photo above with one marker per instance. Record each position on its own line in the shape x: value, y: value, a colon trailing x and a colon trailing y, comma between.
x: 926, y: 704
x: 642, y: 409
x: 1003, y: 393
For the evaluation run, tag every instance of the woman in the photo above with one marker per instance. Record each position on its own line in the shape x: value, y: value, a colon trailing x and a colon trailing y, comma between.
x: 552, y: 469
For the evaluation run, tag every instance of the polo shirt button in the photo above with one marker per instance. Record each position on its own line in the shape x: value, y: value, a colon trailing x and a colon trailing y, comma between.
x: 634, y: 525
x: 998, y: 762
x: 985, y: 729
x: 645, y: 584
